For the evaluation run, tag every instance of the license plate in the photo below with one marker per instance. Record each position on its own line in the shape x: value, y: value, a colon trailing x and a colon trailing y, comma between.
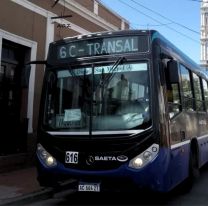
x: 89, y: 187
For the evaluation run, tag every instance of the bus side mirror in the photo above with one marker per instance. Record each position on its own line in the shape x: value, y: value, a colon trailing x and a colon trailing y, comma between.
x: 25, y: 76
x: 172, y: 67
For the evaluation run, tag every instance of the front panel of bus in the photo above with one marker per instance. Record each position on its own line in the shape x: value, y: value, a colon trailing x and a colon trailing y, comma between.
x: 97, y: 115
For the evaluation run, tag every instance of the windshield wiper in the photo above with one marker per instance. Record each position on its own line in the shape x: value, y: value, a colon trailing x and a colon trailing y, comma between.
x: 111, y: 72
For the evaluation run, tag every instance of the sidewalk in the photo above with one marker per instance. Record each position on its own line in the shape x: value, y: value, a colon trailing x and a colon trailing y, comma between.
x: 19, y: 185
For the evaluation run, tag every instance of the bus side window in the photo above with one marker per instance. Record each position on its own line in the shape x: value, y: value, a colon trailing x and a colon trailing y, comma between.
x: 198, y: 93
x: 187, y: 92
x: 174, y: 102
x: 205, y: 88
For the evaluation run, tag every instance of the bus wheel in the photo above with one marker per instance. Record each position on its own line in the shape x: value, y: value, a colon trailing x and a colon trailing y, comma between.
x: 193, y: 172
x: 194, y: 166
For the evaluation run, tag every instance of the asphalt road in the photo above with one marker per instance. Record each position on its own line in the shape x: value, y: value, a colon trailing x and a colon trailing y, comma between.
x: 198, y: 196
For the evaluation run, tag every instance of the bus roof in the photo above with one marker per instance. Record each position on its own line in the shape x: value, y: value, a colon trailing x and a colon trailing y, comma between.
x: 103, y: 34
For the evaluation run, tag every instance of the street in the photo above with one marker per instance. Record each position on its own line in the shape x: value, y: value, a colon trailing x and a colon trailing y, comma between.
x: 198, y: 196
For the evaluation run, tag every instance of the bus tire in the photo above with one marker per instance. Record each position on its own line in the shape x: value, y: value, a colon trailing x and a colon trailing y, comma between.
x: 194, y: 166
x: 193, y: 170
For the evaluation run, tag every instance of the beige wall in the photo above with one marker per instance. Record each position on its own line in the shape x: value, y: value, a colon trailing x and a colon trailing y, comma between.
x: 78, y: 19
x: 109, y: 16
x: 61, y: 33
x: 88, y: 4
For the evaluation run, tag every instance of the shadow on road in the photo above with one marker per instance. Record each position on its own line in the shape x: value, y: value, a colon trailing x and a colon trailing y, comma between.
x: 198, y: 195
x: 139, y: 198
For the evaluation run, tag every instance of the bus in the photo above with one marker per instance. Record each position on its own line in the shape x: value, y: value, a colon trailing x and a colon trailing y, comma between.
x: 120, y: 111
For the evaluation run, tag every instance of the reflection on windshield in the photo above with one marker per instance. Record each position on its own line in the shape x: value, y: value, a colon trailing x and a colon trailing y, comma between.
x: 121, y: 103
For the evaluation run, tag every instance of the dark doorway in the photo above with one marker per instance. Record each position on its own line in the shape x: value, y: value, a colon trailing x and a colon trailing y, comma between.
x: 13, y: 99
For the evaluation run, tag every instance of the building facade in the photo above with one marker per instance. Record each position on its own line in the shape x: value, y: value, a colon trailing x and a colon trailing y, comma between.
x: 204, y: 34
x: 26, y: 29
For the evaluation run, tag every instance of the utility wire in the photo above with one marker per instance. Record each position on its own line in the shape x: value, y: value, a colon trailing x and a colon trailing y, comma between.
x: 174, y: 22
x: 199, y: 1
x: 153, y: 24
x: 182, y: 34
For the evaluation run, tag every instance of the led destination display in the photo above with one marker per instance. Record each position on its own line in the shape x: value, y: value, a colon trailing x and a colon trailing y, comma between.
x: 102, y: 46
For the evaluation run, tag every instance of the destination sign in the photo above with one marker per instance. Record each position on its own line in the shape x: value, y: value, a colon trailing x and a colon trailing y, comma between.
x: 102, y: 46
x: 103, y: 70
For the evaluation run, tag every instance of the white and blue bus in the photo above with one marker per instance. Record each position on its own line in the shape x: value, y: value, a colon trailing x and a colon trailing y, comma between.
x: 121, y: 110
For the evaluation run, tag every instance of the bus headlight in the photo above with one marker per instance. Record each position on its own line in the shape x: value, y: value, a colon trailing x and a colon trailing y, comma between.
x: 145, y: 157
x: 48, y: 159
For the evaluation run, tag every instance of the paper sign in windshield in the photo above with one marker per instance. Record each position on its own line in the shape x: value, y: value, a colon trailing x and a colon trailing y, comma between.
x: 72, y: 115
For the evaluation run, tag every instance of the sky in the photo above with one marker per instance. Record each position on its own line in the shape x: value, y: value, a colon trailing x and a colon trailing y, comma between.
x: 177, y: 20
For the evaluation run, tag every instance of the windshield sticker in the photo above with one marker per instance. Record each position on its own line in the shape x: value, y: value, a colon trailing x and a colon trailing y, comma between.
x: 60, y: 123
x: 104, y: 70
x: 72, y: 115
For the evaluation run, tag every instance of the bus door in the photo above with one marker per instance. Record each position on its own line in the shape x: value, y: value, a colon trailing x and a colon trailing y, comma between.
x: 177, y: 120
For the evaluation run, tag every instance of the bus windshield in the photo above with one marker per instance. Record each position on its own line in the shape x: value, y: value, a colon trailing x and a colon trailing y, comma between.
x: 97, y: 98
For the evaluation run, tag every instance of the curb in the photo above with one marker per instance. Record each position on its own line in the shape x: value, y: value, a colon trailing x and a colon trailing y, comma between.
x: 25, y: 199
